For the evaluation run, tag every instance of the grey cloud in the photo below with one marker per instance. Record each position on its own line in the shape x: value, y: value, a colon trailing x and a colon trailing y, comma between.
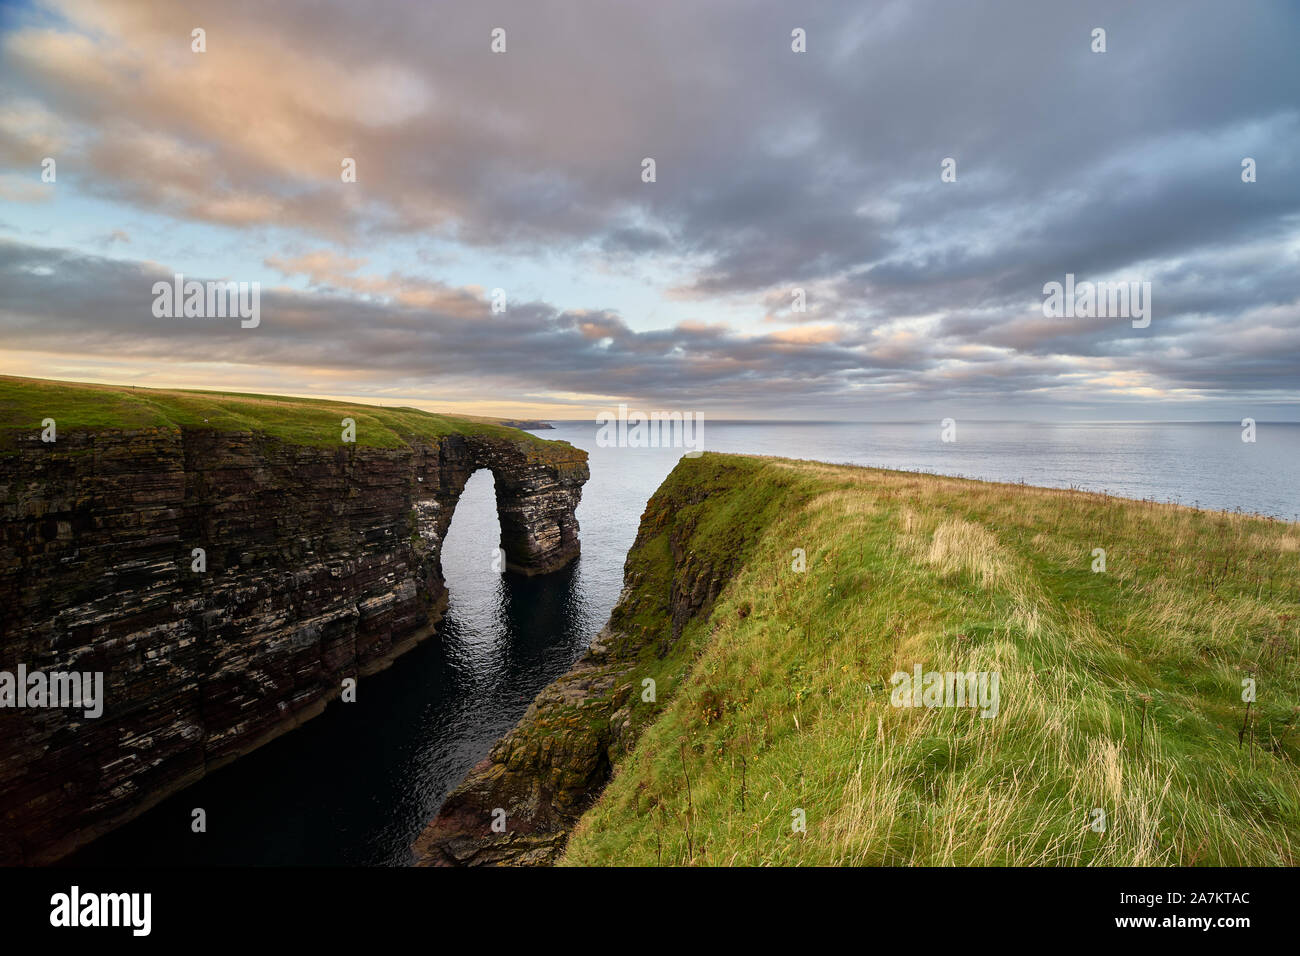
x: 63, y: 301
x: 774, y: 169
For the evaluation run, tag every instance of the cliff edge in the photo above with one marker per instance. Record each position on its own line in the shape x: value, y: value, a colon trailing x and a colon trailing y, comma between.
x: 698, y: 529
x: 226, y: 562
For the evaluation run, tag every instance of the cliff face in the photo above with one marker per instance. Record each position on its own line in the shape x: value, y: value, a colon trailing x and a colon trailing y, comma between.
x: 548, y: 770
x: 322, y: 563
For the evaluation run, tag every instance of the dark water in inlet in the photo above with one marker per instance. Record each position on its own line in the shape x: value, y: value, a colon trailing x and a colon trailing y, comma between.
x: 357, y: 784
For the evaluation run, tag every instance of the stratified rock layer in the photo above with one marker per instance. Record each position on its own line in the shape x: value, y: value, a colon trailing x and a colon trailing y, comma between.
x: 322, y: 564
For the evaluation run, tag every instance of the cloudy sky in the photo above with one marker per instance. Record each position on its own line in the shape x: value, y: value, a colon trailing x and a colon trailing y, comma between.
x: 775, y: 170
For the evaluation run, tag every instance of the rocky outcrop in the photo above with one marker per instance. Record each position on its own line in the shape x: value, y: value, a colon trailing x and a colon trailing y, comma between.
x: 321, y: 564
x: 547, y: 771
x: 536, y: 498
x: 527, y: 424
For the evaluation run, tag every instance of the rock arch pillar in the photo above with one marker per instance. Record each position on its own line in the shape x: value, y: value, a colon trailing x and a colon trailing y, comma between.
x: 537, y: 496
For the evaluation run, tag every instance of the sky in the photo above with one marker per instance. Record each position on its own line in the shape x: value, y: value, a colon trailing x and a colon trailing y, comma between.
x: 820, y: 170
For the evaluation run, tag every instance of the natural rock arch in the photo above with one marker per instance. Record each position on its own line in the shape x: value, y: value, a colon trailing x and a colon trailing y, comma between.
x: 537, y: 497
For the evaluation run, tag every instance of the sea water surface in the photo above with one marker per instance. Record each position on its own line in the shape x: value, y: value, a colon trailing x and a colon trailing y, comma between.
x: 357, y: 784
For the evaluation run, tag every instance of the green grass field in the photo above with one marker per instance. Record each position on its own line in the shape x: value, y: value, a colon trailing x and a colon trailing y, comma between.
x: 1119, y: 691
x: 76, y: 407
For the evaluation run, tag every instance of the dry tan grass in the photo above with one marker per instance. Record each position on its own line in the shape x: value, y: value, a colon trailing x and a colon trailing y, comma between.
x: 960, y: 546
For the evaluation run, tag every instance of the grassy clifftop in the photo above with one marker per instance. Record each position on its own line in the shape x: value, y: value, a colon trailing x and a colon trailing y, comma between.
x: 75, y: 406
x: 1120, y: 690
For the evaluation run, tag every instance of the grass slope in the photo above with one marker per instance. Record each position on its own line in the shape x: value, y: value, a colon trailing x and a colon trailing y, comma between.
x: 75, y: 406
x: 1119, y: 690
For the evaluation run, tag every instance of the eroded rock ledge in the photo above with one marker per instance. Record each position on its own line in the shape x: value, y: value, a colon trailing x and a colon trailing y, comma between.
x: 322, y: 564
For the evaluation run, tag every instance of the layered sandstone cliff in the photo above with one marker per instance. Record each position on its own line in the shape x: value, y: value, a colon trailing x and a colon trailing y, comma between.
x: 322, y: 563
